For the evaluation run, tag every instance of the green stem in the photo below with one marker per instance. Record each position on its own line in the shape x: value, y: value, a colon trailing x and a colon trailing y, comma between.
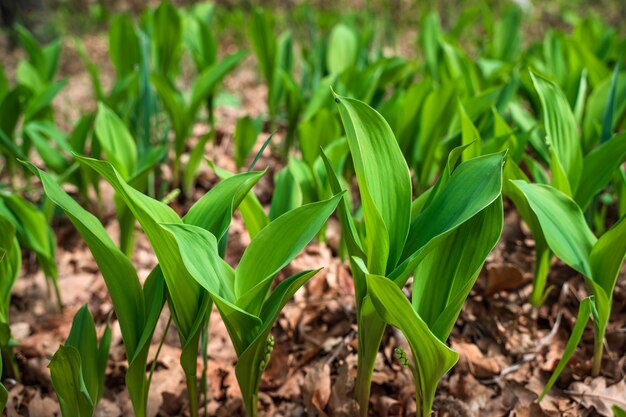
x: 371, y: 331
x: 252, y: 405
x: 192, y: 393
x: 9, y: 358
x: 598, y: 349
x: 542, y: 268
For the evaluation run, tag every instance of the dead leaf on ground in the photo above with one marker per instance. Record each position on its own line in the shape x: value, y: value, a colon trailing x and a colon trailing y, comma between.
x: 598, y: 395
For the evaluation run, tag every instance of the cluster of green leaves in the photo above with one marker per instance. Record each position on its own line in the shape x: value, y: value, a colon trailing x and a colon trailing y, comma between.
x: 432, y: 143
x: 442, y: 238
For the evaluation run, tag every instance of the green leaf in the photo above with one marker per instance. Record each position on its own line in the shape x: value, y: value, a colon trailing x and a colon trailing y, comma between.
x: 137, y: 311
x: 251, y: 209
x: 274, y: 247
x: 193, y: 165
x: 444, y: 278
x: 220, y: 203
x: 204, y: 85
x: 32, y: 230
x: 167, y: 37
x: 66, y: 376
x: 116, y: 141
x: 473, y: 186
x: 432, y: 358
x: 123, y: 45
x: 250, y: 362
x: 470, y: 135
x: 618, y: 412
x: 561, y: 135
x: 247, y: 131
x: 563, y: 224
x: 83, y: 338
x: 598, y: 168
x: 185, y: 293
x: 263, y: 40
x: 342, y: 49
x: 287, y: 194
x: 384, y: 181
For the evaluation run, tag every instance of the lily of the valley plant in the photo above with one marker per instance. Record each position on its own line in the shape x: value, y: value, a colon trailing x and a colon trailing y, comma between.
x: 138, y: 308
x: 443, y: 237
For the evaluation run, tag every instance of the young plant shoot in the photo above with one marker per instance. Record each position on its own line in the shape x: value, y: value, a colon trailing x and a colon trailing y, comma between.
x: 599, y: 260
x: 243, y: 296
x: 443, y: 236
x: 138, y: 309
x: 80, y: 362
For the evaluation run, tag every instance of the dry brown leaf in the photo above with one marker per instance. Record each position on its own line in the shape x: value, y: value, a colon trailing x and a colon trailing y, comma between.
x: 502, y: 277
x: 479, y: 364
x: 596, y: 394
x: 316, y: 388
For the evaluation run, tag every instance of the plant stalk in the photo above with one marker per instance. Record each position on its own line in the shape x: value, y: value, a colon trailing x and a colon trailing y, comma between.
x: 371, y: 331
x: 252, y: 405
x: 192, y: 394
x: 598, y: 349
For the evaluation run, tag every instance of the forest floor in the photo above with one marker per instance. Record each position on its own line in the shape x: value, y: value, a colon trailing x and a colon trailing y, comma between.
x: 507, y: 347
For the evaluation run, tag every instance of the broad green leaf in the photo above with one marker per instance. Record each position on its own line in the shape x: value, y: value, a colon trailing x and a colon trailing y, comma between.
x: 263, y: 40
x: 250, y: 362
x: 83, y: 338
x: 383, y: 178
x: 607, y: 120
x: 607, y: 256
x: 32, y: 230
x: 274, y: 247
x: 116, y: 141
x: 66, y: 376
x: 506, y: 36
x: 473, y: 186
x: 342, y: 49
x: 184, y: 292
x: 429, y: 40
x: 167, y: 38
x: 316, y: 133
x: 598, y: 168
x: 563, y: 224
x: 247, y: 131
x: 251, y: 209
x: 287, y: 194
x: 196, y: 157
x: 117, y: 270
x: 208, y: 79
x: 444, y: 278
x: 42, y: 100
x: 199, y: 253
x: 344, y: 212
x: 561, y: 135
x: 470, y: 135
x: 137, y: 311
x: 431, y: 356
x: 123, y: 45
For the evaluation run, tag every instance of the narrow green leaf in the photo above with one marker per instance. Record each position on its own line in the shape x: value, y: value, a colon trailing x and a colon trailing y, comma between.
x: 562, y: 135
x: 274, y: 247
x: 431, y: 356
x: 563, y: 224
x: 342, y: 49
x: 382, y: 174
x: 584, y: 312
x: 116, y: 141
